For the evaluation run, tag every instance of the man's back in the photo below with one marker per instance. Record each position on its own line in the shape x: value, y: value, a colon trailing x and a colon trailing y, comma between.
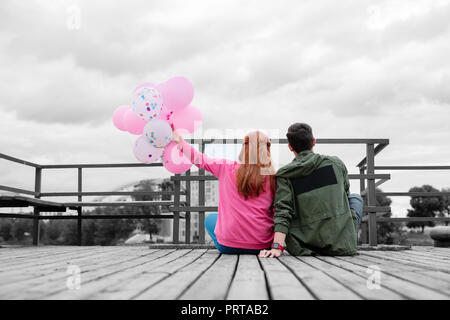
x: 311, y: 206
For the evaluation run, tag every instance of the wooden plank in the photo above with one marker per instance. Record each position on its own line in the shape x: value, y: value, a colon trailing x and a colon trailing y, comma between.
x: 318, y: 283
x: 83, y: 258
x: 40, y: 260
x: 409, y: 260
x: 404, y: 288
x: 445, y: 252
x: 282, y: 283
x: 248, y: 282
x: 428, y: 257
x: 56, y: 282
x: 173, y: 286
x: 130, y: 282
x: 25, y: 251
x: 6, y: 254
x: 434, y: 280
x: 22, y: 201
x: 353, y: 281
x: 25, y: 278
x: 214, y: 283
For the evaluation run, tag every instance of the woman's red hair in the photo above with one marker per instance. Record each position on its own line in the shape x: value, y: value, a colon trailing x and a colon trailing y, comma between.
x: 256, y: 166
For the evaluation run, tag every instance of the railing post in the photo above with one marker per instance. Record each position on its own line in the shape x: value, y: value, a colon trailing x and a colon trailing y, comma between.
x: 362, y: 187
x: 201, y: 200
x: 187, y: 220
x: 371, y: 195
x: 79, y: 209
x: 37, y: 189
x: 176, y: 213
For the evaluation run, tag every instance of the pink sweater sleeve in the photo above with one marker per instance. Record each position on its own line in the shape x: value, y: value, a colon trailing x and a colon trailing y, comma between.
x: 202, y: 161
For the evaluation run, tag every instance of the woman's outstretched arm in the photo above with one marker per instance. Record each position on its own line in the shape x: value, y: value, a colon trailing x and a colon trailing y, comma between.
x: 202, y: 161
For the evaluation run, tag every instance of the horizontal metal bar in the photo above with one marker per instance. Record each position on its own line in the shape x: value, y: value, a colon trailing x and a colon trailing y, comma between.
x: 16, y: 215
x: 192, y: 178
x: 193, y: 209
x: 17, y: 190
x: 414, y: 194
x: 17, y: 160
x: 107, y: 216
x: 106, y: 193
x: 377, y: 209
x: 209, y: 209
x: 414, y: 219
x: 350, y: 176
x: 369, y: 176
x: 118, y: 204
x: 285, y: 141
x: 100, y: 165
x: 412, y: 167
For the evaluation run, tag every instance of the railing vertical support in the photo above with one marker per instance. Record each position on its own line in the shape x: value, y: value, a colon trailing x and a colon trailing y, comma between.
x: 176, y: 214
x: 201, y: 200
x: 371, y: 195
x: 187, y: 220
x: 363, y: 226
x: 36, y: 212
x: 79, y: 209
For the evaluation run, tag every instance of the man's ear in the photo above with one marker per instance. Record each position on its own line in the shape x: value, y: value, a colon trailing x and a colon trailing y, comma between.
x: 290, y: 148
x: 314, y: 143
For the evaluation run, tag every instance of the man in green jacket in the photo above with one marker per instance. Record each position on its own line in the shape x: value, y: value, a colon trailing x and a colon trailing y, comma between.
x: 314, y: 212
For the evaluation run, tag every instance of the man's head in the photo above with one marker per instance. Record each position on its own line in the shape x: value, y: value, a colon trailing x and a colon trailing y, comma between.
x: 300, y: 137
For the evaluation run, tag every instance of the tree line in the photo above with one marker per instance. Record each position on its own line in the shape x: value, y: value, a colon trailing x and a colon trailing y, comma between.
x: 94, y: 231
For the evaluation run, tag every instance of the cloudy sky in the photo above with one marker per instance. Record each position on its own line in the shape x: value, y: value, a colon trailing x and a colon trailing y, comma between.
x: 351, y: 69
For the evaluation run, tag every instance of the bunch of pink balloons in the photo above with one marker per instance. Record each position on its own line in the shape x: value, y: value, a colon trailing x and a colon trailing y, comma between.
x: 154, y: 112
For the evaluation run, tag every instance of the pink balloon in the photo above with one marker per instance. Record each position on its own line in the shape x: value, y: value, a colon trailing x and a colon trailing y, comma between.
x: 160, y: 87
x: 178, y: 93
x: 118, y: 116
x: 174, y: 160
x: 147, y: 103
x: 145, y: 152
x: 189, y: 119
x: 133, y: 123
x: 167, y: 115
x: 145, y: 84
x: 158, y: 133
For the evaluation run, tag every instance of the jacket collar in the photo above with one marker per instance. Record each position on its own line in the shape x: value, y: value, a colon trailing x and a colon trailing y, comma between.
x: 303, y: 154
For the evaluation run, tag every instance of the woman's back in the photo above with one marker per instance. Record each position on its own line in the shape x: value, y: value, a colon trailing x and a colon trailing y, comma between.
x: 242, y: 222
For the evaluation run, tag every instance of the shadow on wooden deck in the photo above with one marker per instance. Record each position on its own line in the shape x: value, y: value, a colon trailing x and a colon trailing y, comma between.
x: 137, y: 272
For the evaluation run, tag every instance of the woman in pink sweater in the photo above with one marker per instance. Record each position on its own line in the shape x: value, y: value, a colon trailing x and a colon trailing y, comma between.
x: 244, y: 223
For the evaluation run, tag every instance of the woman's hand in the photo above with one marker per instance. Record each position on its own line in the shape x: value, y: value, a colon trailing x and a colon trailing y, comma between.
x: 273, y: 253
x: 176, y: 137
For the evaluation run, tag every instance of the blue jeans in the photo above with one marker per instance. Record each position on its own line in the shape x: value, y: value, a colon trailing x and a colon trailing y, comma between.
x: 355, y: 201
x: 210, y: 225
x: 357, y: 204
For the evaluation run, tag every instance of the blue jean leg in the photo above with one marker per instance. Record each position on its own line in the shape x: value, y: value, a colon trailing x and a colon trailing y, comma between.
x: 357, y: 204
x: 210, y: 225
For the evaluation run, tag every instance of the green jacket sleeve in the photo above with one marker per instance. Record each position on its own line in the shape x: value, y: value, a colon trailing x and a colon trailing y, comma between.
x: 283, y: 205
x: 346, y: 180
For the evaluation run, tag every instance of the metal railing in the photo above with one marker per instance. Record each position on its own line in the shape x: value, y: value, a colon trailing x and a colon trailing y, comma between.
x: 367, y: 177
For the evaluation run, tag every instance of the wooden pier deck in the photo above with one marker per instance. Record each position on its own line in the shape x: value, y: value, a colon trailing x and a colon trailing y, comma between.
x: 137, y: 272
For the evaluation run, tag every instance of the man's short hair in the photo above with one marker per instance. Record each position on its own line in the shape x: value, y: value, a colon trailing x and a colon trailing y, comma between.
x: 300, y: 137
